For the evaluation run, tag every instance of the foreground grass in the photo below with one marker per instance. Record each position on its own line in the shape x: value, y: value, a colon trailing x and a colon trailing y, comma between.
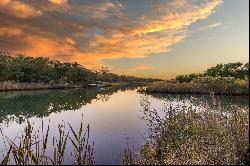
x: 187, y: 135
x: 32, y: 147
x: 204, y: 85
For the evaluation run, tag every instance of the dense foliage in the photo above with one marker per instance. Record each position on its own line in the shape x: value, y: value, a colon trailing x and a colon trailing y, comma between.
x: 40, y: 69
x: 236, y: 70
x: 25, y: 69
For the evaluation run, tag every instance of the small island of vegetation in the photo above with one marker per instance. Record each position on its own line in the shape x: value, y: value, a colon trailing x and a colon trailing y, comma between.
x: 223, y: 79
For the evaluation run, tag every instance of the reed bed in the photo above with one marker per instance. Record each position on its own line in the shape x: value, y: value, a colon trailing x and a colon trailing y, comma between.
x: 185, y: 135
x: 32, y: 147
x: 204, y: 85
x: 13, y: 86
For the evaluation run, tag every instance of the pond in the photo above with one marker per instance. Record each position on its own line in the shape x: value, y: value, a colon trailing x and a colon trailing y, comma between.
x: 115, y: 116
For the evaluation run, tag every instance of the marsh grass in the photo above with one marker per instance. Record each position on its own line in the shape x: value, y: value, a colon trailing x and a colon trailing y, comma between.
x: 203, y: 85
x: 190, y: 135
x: 14, y: 86
x: 31, y: 149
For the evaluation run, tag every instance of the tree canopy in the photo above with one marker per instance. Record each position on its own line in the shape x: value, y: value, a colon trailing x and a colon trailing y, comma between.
x: 236, y: 70
x: 21, y: 68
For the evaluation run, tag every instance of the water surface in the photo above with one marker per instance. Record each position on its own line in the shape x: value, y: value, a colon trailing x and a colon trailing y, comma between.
x: 114, y: 116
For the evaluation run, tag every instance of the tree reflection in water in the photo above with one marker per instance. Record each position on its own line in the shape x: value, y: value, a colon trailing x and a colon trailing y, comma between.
x: 20, y: 105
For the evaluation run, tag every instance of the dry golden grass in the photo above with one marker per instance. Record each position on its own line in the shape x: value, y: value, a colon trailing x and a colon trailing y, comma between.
x: 12, y: 85
x: 187, y: 136
x: 205, y: 85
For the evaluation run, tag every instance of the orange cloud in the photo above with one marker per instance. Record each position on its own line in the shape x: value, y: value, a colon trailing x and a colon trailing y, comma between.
x: 10, y: 32
x: 100, y: 10
x: 19, y: 9
x: 90, y: 33
x: 150, y: 36
x: 136, y: 70
x: 141, y: 67
x: 58, y: 2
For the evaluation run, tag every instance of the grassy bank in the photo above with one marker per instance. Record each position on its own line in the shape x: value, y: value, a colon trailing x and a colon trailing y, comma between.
x: 203, y: 85
x: 120, y: 84
x: 187, y: 135
x: 14, y: 86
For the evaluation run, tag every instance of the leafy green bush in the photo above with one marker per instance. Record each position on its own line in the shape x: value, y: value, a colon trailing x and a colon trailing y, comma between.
x: 187, y: 78
x: 236, y: 70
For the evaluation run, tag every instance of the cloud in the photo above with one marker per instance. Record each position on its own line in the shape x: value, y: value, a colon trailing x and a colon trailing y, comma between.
x: 137, y: 69
x: 90, y: 31
x: 10, y: 32
x: 102, y: 10
x: 58, y: 2
x: 206, y: 27
x: 208, y: 38
x: 141, y: 67
x: 163, y: 26
x: 19, y: 9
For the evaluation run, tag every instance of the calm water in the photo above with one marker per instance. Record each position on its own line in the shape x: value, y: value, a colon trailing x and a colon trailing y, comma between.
x: 114, y: 116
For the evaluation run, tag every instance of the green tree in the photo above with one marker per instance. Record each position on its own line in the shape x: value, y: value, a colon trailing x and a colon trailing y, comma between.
x: 236, y: 70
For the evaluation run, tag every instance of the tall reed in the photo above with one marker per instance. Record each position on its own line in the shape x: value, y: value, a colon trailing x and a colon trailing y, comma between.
x: 32, y: 148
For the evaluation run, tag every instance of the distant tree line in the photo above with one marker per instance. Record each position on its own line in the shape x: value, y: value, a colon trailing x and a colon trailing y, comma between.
x: 25, y: 69
x: 236, y: 70
x: 105, y: 74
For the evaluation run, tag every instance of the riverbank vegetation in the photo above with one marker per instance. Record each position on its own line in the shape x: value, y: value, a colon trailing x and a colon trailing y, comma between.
x: 204, y: 85
x: 22, y: 72
x: 183, y: 134
x: 232, y: 78
x: 12, y: 85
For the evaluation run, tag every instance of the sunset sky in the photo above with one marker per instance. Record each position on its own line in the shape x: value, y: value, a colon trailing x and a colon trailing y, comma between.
x: 147, y: 38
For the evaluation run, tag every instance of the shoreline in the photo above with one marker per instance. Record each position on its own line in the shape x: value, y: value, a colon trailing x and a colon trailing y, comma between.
x: 16, y: 86
x: 190, y: 93
x: 13, y: 86
x: 29, y: 89
x: 205, y: 85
